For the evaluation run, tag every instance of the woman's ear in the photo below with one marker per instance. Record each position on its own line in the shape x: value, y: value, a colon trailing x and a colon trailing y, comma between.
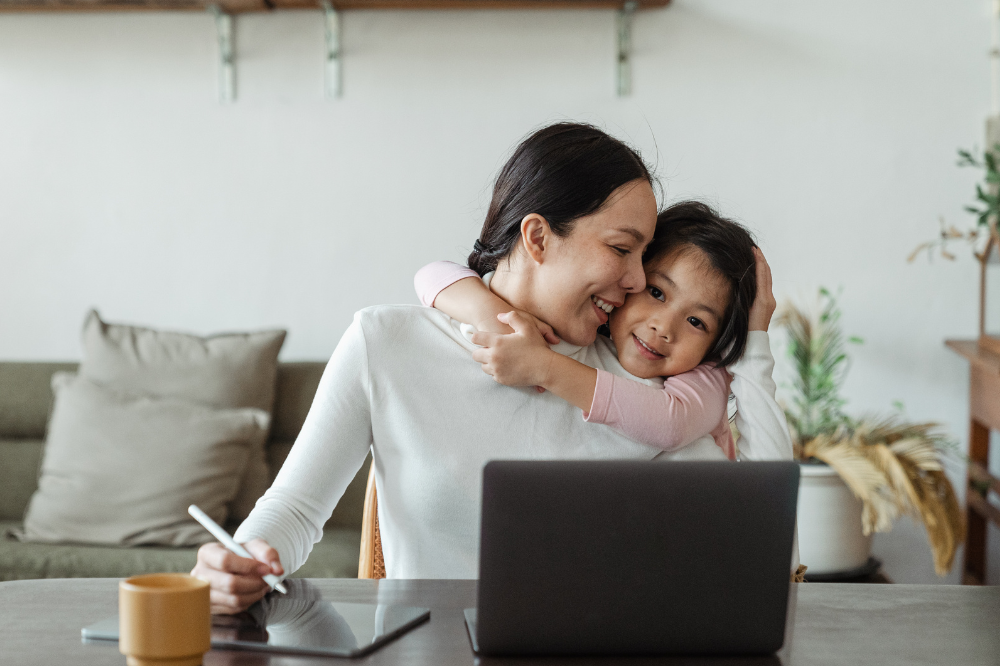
x: 535, y: 236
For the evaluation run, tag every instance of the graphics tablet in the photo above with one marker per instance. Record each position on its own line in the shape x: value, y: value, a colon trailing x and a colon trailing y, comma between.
x: 301, y: 622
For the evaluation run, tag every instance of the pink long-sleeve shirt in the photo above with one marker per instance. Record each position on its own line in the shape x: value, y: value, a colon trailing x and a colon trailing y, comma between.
x: 686, y: 407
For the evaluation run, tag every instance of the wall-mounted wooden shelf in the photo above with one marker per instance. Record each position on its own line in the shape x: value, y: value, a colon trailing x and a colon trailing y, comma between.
x: 245, y: 6
x: 225, y: 10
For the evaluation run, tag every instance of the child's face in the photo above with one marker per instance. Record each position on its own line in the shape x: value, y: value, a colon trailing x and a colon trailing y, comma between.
x: 668, y: 328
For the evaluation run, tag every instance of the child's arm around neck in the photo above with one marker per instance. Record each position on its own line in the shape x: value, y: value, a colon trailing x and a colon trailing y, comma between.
x: 459, y: 292
x: 523, y: 359
x: 689, y: 405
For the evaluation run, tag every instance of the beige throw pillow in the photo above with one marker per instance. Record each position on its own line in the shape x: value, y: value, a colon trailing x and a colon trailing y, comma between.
x: 121, y: 469
x: 226, y: 370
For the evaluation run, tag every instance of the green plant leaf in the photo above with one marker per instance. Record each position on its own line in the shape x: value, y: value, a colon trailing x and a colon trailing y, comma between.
x: 991, y: 161
x: 965, y: 158
x: 816, y: 347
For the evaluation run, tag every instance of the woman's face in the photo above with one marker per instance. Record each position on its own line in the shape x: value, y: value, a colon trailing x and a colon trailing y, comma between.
x: 589, y: 272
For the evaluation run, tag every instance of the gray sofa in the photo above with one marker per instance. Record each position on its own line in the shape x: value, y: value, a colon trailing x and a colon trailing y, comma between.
x: 25, y: 403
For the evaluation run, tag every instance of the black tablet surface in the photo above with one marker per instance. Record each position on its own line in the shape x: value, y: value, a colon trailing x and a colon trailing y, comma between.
x: 301, y: 622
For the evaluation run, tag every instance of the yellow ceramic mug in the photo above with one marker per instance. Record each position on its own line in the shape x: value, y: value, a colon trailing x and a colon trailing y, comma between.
x: 164, y: 619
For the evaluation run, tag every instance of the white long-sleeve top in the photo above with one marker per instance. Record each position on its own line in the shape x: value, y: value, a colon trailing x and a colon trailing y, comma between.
x: 402, y: 382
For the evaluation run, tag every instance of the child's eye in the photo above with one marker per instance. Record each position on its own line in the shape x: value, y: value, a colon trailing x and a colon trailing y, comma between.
x: 657, y: 294
x: 697, y: 323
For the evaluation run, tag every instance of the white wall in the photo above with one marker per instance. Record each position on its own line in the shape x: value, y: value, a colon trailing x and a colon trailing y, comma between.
x: 830, y: 128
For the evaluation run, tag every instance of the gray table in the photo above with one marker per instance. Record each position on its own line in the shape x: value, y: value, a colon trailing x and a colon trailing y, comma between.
x: 882, y: 625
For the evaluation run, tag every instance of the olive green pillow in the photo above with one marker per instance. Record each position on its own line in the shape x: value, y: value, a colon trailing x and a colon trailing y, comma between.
x: 226, y: 370
x: 122, y: 469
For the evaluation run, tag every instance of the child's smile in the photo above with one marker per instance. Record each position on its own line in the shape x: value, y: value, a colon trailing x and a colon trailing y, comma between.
x: 646, y: 350
x: 670, y: 327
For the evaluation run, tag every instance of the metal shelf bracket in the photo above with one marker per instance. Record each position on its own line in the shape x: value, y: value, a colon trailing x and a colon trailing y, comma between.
x: 224, y: 27
x: 332, y: 81
x: 625, y: 16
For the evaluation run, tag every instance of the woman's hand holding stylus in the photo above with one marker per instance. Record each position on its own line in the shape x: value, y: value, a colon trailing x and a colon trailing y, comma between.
x: 236, y: 582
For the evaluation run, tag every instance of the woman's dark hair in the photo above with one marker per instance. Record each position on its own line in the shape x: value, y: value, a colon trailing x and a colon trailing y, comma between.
x: 561, y: 172
x: 729, y: 247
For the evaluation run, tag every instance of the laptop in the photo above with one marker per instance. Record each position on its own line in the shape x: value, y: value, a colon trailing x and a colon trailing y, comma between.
x: 633, y: 558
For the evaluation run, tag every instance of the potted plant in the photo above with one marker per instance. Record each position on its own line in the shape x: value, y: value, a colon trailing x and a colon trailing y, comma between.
x: 858, y: 475
x: 984, y: 236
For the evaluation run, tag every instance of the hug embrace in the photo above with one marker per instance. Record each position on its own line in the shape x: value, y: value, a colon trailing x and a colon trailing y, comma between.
x: 586, y: 327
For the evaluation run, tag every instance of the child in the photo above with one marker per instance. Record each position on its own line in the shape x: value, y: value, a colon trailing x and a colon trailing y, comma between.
x: 687, y: 325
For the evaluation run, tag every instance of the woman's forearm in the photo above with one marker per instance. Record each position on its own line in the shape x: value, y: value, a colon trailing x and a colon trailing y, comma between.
x: 328, y: 451
x: 759, y: 418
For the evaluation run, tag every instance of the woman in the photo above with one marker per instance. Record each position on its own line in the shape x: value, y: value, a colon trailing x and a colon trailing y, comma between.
x: 572, y: 211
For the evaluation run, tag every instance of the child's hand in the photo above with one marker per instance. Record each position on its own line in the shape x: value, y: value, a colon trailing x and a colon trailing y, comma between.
x: 499, y: 325
x: 764, y: 303
x: 516, y: 359
x: 544, y: 329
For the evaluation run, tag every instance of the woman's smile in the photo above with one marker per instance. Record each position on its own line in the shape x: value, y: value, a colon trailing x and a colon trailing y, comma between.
x: 602, y: 304
x: 602, y: 316
x: 602, y: 308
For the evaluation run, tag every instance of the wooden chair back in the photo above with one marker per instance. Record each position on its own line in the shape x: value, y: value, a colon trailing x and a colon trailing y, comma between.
x: 370, y: 561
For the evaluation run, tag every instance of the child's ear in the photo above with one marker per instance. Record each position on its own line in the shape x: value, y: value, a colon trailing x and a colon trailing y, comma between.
x: 535, y: 236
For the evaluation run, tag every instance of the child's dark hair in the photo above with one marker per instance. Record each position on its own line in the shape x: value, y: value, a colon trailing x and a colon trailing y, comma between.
x: 729, y: 247
x: 562, y: 172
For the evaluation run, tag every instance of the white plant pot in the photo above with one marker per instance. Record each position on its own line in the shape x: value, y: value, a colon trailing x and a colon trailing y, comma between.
x: 829, y: 521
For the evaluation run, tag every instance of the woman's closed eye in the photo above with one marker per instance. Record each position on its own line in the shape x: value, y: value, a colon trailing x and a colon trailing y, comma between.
x: 624, y: 251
